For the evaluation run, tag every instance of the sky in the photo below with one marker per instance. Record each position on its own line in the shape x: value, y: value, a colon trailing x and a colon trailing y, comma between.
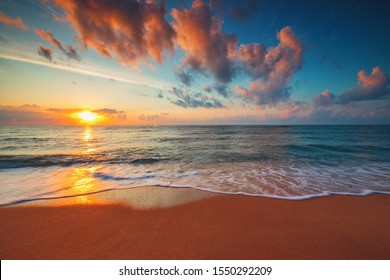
x: 133, y: 62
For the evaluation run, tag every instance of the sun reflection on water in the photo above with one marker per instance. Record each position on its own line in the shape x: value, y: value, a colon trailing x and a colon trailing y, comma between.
x: 81, y: 180
x: 88, y: 138
x: 87, y: 134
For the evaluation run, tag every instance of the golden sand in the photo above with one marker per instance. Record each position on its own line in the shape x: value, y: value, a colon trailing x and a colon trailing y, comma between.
x: 217, y: 227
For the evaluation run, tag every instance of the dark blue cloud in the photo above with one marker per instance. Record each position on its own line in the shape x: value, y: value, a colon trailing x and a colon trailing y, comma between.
x: 45, y: 52
x: 189, y: 99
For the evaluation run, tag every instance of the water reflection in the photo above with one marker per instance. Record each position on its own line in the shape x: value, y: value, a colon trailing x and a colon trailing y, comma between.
x: 88, y: 141
x: 82, y: 180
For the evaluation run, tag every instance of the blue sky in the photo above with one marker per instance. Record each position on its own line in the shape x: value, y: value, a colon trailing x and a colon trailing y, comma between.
x: 195, y: 62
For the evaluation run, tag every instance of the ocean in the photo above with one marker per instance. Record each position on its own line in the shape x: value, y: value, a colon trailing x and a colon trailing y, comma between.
x: 287, y: 162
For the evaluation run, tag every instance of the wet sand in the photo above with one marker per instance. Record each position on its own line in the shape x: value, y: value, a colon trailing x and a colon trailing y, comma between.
x: 216, y: 227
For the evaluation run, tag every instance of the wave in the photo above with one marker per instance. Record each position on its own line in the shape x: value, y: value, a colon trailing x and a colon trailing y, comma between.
x: 364, y: 192
x: 107, y: 177
x: 145, y: 160
x: 23, y: 161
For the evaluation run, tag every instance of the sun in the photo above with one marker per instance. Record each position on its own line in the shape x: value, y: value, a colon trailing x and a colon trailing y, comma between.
x: 87, y: 116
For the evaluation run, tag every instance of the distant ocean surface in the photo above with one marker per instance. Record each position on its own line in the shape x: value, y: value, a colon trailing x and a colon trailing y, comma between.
x: 290, y: 162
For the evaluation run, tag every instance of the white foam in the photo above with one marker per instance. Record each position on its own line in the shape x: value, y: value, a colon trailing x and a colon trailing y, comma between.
x: 284, y: 181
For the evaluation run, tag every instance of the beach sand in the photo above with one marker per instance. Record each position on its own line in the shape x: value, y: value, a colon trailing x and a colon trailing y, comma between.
x: 192, y: 224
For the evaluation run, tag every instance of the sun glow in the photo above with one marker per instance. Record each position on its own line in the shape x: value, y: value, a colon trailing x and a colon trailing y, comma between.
x: 87, y: 116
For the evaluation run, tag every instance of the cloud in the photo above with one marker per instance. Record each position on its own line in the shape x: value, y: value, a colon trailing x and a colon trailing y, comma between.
x: 324, y: 99
x: 69, y: 51
x: 26, y: 115
x: 88, y: 71
x: 207, y: 89
x: 369, y: 87
x: 135, y: 31
x: 222, y: 89
x: 160, y: 94
x: 103, y: 111
x: 272, y: 69
x: 253, y: 59
x: 185, y: 78
x: 112, y: 113
x: 35, y: 115
x: 15, y: 22
x: 207, y: 48
x: 72, y: 53
x: 153, y: 117
x: 327, y: 57
x: 48, y: 36
x: 45, y: 52
x: 188, y: 99
x: 129, y: 30
x: 368, y: 112
x: 107, y: 111
x: 243, y: 10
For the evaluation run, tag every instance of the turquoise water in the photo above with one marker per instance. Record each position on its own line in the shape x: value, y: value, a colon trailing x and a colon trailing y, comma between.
x: 291, y: 162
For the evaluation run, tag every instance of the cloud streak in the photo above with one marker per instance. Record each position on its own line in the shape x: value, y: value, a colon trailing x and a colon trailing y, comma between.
x: 82, y: 71
x: 14, y: 22
x: 189, y: 99
x: 68, y: 50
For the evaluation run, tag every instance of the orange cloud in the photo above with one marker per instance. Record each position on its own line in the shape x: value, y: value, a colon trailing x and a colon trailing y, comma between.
x: 207, y: 47
x: 16, y: 22
x: 377, y: 79
x: 324, y: 99
x: 131, y: 31
x: 272, y: 69
x: 48, y: 36
x: 36, y: 115
x: 69, y: 51
x: 369, y: 87
x: 134, y: 31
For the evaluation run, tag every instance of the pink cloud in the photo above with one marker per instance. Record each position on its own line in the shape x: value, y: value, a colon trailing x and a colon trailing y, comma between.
x: 131, y: 31
x: 207, y: 47
x: 369, y: 87
x: 134, y: 31
x: 372, y: 86
x: 324, y: 99
x: 272, y: 69
x: 15, y: 22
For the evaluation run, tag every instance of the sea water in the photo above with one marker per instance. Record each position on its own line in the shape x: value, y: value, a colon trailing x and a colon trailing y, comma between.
x: 289, y: 162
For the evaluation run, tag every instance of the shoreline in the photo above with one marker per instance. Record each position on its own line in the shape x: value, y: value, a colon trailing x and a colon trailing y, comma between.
x: 192, y: 225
